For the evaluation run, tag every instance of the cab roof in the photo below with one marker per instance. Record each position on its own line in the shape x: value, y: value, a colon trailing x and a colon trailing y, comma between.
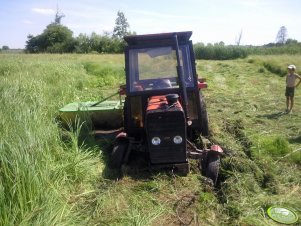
x: 161, y: 38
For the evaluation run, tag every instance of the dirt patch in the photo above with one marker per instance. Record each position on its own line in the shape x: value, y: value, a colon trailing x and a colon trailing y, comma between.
x: 185, y: 211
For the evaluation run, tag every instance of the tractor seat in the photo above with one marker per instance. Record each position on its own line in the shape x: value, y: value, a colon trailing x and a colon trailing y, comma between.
x: 162, y: 83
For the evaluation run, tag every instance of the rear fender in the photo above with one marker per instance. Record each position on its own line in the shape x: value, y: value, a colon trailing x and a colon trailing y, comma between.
x: 202, y: 84
x: 216, y: 149
x: 122, y: 90
x: 121, y: 136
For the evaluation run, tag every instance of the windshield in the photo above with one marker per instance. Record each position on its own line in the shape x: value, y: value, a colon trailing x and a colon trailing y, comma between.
x: 156, y: 68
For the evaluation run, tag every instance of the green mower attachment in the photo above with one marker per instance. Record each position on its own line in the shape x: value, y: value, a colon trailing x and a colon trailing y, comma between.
x: 103, y: 114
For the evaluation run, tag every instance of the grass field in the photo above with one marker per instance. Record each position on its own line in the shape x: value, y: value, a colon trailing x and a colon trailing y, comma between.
x: 53, y: 177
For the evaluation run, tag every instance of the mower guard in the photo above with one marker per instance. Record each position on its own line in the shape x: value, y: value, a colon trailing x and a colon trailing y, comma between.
x: 107, y: 114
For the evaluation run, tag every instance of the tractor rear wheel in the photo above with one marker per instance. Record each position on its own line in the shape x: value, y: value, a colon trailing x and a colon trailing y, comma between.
x: 212, y: 167
x: 118, y: 153
x: 204, y: 118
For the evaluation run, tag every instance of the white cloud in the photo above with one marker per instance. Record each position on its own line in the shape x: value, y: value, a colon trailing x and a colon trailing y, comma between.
x: 44, y: 11
x: 27, y: 22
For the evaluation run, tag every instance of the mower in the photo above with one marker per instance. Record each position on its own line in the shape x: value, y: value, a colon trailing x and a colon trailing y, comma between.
x: 163, y: 113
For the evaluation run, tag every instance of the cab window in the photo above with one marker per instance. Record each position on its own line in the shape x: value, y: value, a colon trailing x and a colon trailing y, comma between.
x: 156, y: 68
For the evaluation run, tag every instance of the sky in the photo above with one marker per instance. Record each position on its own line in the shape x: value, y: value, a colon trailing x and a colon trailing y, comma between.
x: 211, y: 21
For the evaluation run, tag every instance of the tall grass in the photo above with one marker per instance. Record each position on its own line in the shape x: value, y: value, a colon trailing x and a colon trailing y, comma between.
x: 219, y: 52
x: 37, y: 168
x: 278, y: 65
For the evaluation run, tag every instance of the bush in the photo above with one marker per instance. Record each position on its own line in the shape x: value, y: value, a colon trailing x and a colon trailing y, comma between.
x: 55, y: 38
x: 98, y: 43
x: 219, y: 52
x: 275, y: 49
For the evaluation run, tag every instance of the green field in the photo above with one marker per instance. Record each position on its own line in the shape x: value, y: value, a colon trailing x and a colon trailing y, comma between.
x: 49, y: 176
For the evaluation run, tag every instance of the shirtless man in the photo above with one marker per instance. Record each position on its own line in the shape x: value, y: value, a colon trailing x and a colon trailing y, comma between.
x: 291, y: 78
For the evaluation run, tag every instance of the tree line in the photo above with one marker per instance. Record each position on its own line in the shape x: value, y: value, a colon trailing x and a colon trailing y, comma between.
x: 219, y: 51
x: 57, y: 38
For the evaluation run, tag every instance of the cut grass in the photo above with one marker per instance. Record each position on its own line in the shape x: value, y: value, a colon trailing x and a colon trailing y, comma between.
x: 54, y: 177
x: 245, y: 110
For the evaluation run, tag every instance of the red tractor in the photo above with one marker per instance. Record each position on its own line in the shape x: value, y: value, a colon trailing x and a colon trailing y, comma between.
x: 163, y: 113
x: 164, y: 110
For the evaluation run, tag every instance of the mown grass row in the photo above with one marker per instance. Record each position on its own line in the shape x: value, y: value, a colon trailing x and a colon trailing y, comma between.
x: 246, y: 106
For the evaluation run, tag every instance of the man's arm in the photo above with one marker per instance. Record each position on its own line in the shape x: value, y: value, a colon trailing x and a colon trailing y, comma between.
x: 299, y: 77
x: 286, y: 79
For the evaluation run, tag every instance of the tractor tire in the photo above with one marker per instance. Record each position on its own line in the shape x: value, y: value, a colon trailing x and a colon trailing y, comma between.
x: 212, y: 167
x: 117, y: 155
x: 125, y: 114
x: 204, y: 118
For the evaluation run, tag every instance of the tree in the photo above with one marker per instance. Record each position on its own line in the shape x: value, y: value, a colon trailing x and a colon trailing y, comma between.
x: 281, y: 35
x: 58, y: 16
x: 83, y: 44
x: 239, y: 38
x: 291, y: 41
x: 32, y: 44
x: 56, y: 38
x: 121, y: 26
x: 5, y: 48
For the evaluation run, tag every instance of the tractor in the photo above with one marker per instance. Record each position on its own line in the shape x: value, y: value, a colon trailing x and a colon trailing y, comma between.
x: 163, y: 112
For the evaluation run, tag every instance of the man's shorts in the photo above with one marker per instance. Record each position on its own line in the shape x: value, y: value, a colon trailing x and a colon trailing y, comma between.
x: 290, y: 91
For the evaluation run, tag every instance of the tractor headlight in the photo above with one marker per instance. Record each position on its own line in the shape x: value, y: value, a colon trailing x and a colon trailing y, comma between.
x: 178, y: 139
x: 156, y: 141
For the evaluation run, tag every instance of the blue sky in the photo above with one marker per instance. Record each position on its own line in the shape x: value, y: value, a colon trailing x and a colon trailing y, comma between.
x: 210, y: 21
